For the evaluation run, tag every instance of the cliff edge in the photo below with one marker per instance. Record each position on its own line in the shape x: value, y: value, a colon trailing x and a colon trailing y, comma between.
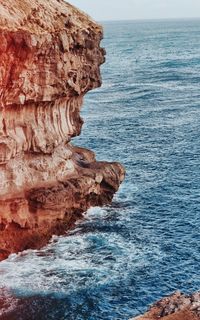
x: 50, y: 56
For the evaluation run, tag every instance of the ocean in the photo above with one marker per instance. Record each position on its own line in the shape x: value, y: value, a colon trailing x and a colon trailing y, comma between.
x: 146, y: 245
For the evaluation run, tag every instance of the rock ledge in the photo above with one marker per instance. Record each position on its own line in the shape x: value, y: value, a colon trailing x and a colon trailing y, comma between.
x: 175, y: 307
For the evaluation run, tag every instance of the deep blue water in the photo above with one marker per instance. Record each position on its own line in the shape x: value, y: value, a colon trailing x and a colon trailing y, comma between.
x: 147, y: 243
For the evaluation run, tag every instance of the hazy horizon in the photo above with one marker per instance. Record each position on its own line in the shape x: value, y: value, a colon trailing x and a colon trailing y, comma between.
x: 147, y: 19
x: 139, y: 9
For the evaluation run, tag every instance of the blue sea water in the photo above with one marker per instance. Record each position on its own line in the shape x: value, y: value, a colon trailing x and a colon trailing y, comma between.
x: 121, y: 258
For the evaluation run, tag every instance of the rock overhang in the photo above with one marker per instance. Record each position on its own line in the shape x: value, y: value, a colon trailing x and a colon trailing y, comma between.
x: 50, y: 56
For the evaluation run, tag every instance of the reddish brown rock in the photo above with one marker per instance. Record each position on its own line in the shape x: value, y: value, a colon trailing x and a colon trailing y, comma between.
x: 175, y: 307
x: 50, y: 56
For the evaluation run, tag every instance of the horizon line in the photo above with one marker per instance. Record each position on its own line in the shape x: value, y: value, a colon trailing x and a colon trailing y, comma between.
x: 149, y: 19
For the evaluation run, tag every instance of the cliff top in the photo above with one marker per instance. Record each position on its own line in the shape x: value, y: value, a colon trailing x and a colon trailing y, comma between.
x: 42, y: 16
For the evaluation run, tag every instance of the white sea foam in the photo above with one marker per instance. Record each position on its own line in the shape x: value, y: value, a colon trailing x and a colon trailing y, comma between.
x: 68, y: 262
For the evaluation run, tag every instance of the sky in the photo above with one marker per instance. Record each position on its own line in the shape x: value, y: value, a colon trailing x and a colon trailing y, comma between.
x: 138, y: 9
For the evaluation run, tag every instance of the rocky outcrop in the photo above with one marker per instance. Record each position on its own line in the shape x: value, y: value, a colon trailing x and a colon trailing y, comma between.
x: 175, y: 307
x: 50, y: 56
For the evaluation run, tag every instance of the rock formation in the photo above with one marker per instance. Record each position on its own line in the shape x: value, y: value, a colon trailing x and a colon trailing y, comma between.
x: 175, y: 307
x: 50, y: 56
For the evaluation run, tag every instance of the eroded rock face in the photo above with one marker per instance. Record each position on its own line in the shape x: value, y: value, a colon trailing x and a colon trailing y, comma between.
x: 175, y: 307
x: 50, y: 56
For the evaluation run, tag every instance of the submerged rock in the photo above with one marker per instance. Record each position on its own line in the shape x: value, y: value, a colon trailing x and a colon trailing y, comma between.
x: 50, y: 56
x: 175, y: 307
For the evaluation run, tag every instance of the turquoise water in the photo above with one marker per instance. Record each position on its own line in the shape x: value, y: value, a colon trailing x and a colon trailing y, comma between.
x: 146, y: 244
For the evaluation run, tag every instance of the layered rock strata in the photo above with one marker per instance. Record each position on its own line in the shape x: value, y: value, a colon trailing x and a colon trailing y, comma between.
x: 175, y: 307
x: 50, y: 56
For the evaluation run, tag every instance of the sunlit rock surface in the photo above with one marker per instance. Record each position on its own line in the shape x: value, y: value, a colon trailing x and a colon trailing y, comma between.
x: 50, y: 56
x: 175, y: 307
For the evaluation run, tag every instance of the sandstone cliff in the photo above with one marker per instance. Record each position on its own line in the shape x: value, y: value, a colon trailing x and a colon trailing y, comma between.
x: 175, y: 307
x: 50, y: 56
